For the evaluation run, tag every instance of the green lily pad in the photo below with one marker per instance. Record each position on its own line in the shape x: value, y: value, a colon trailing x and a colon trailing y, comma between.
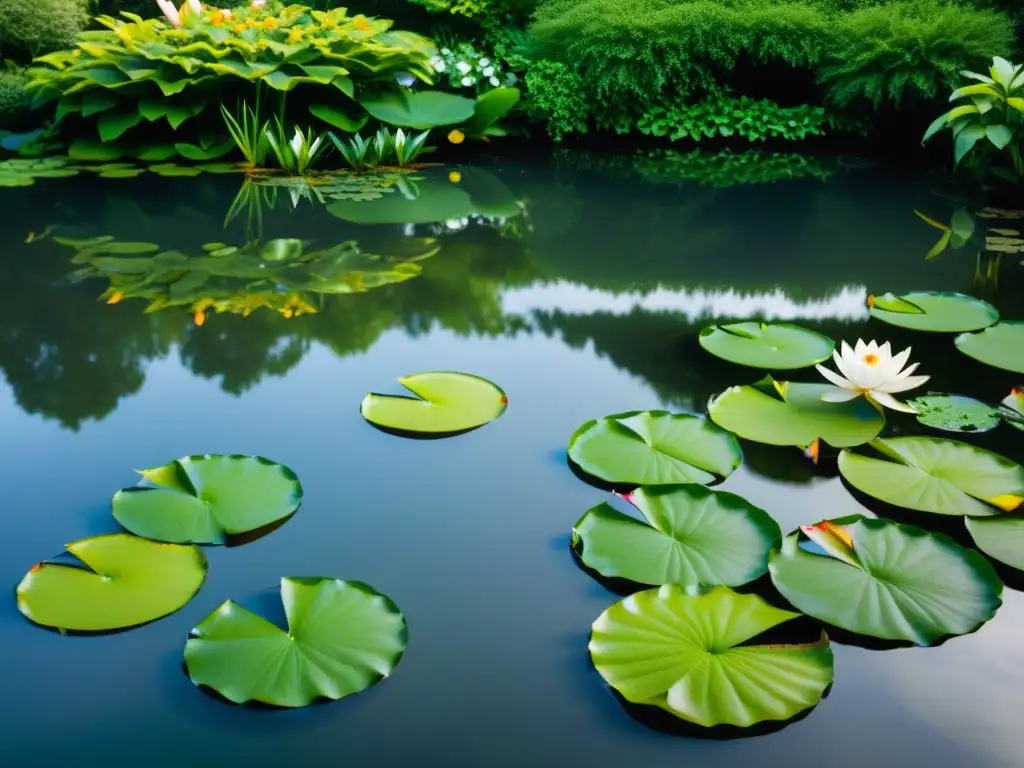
x: 798, y: 416
x: 760, y: 345
x: 342, y: 638
x: 654, y: 448
x: 446, y: 403
x: 1001, y: 346
x: 692, y: 536
x: 682, y: 652
x: 932, y: 474
x: 173, y: 170
x: 906, y: 583
x: 1001, y: 538
x: 939, y: 312
x: 125, y: 581
x: 204, y: 499
x: 1012, y: 409
x: 954, y: 413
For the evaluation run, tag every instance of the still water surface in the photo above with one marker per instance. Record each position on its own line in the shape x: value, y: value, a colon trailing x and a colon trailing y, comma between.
x: 586, y: 304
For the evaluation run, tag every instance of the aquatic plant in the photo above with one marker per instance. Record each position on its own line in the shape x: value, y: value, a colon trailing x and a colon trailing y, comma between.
x: 298, y: 154
x: 445, y: 403
x: 873, y: 371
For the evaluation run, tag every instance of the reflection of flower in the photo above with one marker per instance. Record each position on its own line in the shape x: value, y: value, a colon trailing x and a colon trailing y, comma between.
x: 871, y: 371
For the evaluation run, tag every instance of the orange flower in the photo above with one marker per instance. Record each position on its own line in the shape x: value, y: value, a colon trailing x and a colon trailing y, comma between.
x: 199, y: 318
x: 76, y: 52
x: 456, y: 136
x: 361, y: 23
x: 238, y: 29
x: 295, y: 35
x: 269, y: 23
x: 115, y: 297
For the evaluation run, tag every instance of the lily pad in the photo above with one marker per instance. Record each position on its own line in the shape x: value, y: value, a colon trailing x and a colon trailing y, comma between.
x: 776, y: 346
x: 654, y: 448
x: 954, y: 413
x: 790, y: 413
x: 933, y: 474
x: 342, y: 638
x: 446, y: 403
x: 692, y: 536
x: 204, y: 499
x: 1001, y: 538
x: 933, y: 311
x: 123, y: 581
x: 904, y: 583
x: 1001, y: 346
x: 689, y: 655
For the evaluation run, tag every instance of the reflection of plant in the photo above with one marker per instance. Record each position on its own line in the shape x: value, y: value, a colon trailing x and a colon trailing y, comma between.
x: 137, y: 74
x: 278, y: 274
x: 995, y: 113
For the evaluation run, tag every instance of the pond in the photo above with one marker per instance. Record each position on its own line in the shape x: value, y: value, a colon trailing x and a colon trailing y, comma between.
x: 580, y: 293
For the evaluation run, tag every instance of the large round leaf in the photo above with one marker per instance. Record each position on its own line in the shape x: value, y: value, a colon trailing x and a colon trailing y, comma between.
x: 794, y: 414
x: 203, y: 499
x: 1001, y: 538
x: 342, y: 637
x: 654, y: 448
x: 682, y: 652
x: 446, y: 403
x: 124, y: 581
x: 896, y: 582
x: 932, y: 474
x: 759, y: 345
x: 954, y: 413
x: 1001, y: 346
x: 693, y: 536
x: 419, y: 109
x: 931, y: 311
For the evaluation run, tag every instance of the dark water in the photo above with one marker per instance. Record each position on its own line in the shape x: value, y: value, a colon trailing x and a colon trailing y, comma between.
x: 587, y: 304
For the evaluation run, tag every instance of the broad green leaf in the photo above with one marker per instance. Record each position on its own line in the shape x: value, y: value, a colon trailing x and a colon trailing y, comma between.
x: 339, y: 118
x: 911, y: 584
x: 941, y: 312
x: 654, y: 448
x: 966, y: 139
x: 95, y: 101
x: 490, y: 108
x: 683, y: 653
x: 692, y: 536
x: 419, y: 109
x: 172, y: 170
x: 1001, y: 346
x: 1000, y: 135
x: 112, y: 125
x: 772, y: 346
x: 86, y: 149
x: 954, y: 413
x: 155, y: 153
x: 204, y: 499
x: 933, y: 474
x: 799, y: 419
x: 198, y: 154
x: 342, y: 638
x: 962, y: 227
x: 1001, y: 538
x: 124, y: 581
x: 941, y: 122
x: 445, y: 403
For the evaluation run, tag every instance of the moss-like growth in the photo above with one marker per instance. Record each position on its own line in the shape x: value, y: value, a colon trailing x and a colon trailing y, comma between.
x: 34, y: 27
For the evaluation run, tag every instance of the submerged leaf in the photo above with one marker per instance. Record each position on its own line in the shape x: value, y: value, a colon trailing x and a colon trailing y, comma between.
x: 342, y: 638
x: 654, y: 448
x: 689, y: 655
x: 126, y: 581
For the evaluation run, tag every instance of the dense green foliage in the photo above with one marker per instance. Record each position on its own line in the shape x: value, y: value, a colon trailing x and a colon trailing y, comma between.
x: 34, y: 27
x: 14, y: 101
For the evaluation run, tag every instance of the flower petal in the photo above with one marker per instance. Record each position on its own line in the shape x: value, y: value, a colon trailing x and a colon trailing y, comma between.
x: 847, y: 363
x: 835, y: 378
x: 901, y: 385
x: 838, y: 395
x: 859, y: 349
x: 901, y: 359
x: 887, y: 400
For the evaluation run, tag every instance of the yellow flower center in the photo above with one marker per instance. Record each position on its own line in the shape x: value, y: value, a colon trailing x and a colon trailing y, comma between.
x: 871, y: 360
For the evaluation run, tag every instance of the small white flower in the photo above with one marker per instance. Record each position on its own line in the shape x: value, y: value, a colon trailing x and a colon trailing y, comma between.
x: 463, y: 67
x: 440, y: 66
x: 296, y: 141
x: 257, y: 4
x: 484, y: 62
x: 495, y: 82
x: 488, y: 71
x: 468, y: 81
x: 445, y: 52
x: 872, y: 371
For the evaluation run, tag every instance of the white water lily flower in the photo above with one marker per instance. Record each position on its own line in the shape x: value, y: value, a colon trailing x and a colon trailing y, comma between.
x: 872, y: 371
x: 297, y: 141
x: 170, y: 12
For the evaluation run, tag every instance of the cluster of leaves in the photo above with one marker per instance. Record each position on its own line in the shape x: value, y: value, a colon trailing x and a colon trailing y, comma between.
x: 14, y: 100
x: 632, y: 56
x: 721, y: 114
x: 143, y: 78
x: 556, y: 97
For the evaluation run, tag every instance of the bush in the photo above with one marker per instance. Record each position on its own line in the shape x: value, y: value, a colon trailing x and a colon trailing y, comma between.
x: 632, y: 57
x: 556, y: 97
x: 30, y: 28
x: 14, y: 101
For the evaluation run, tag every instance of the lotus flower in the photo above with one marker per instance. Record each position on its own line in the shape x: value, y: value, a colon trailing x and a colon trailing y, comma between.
x: 257, y: 4
x: 195, y: 6
x: 168, y: 9
x: 872, y: 371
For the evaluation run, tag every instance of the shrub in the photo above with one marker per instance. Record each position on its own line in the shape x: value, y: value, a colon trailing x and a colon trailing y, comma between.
x: 30, y: 28
x: 556, y: 98
x: 14, y: 101
x: 137, y: 78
